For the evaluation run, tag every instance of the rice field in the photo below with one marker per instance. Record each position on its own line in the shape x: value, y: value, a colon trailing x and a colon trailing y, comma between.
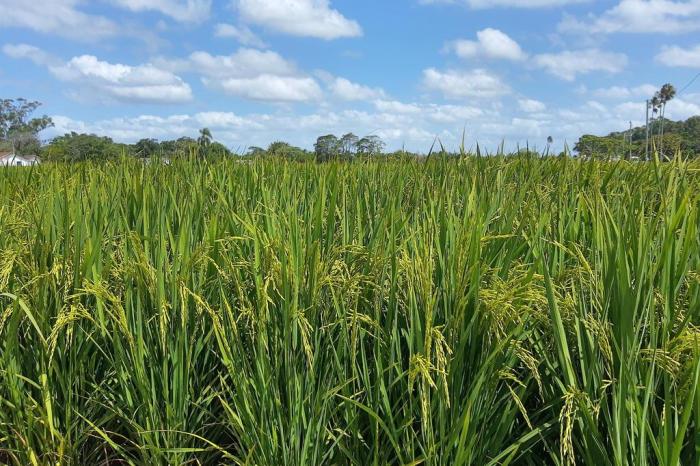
x: 471, y: 311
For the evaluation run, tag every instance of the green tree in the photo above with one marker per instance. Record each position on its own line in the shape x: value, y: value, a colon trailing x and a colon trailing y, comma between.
x: 74, y: 147
x: 589, y: 146
x: 185, y: 147
x: 216, y: 150
x: 348, y: 145
x: 690, y: 131
x: 205, y: 138
x: 665, y: 94
x: 255, y: 151
x: 17, y: 130
x: 370, y: 145
x: 287, y: 151
x: 326, y: 147
x: 147, y: 148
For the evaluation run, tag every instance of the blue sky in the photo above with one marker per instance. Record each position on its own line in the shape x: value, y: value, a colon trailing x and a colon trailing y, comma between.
x: 255, y: 71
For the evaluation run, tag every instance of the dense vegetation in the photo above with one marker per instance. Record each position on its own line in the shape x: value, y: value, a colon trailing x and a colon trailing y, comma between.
x: 75, y: 147
x: 679, y: 137
x: 473, y: 311
x: 18, y: 130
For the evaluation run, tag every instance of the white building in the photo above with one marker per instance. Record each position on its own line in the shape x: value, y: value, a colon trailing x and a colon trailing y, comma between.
x: 10, y: 159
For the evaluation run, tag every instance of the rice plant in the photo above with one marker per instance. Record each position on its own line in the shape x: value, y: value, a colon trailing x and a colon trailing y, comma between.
x: 468, y: 311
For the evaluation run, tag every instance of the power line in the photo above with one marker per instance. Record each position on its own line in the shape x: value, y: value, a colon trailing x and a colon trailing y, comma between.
x: 689, y: 84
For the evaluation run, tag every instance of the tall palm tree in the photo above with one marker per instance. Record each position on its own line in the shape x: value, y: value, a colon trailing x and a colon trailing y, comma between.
x: 205, y: 137
x: 666, y: 94
x: 654, y: 105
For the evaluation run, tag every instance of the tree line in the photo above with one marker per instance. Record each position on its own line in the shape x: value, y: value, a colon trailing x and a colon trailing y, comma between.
x: 19, y: 134
x: 659, y: 135
x: 678, y: 137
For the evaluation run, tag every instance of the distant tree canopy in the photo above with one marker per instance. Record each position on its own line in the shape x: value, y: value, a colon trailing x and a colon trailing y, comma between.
x: 370, y: 145
x: 287, y: 151
x: 74, y: 147
x: 327, y: 147
x: 147, y: 148
x: 348, y: 146
x: 19, y: 132
x: 678, y: 137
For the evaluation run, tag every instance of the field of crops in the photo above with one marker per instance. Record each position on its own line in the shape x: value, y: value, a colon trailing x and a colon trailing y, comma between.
x: 482, y: 311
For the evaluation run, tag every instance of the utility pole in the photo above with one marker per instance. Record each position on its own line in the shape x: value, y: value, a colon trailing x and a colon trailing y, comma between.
x: 630, y: 156
x: 646, y: 150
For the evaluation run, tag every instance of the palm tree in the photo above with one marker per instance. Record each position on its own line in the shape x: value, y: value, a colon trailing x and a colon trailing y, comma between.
x: 666, y: 94
x: 654, y: 105
x: 205, y: 138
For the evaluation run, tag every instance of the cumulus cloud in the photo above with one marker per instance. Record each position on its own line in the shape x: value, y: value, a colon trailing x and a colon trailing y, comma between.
x: 455, y: 84
x: 570, y: 63
x: 444, y: 114
x: 179, y: 10
x: 269, y: 87
x: 622, y: 92
x: 679, y: 56
x: 489, y: 43
x: 639, y: 16
x: 305, y: 18
x: 141, y: 83
x: 242, y: 34
x: 531, y: 106
x: 244, y: 63
x: 113, y: 81
x: 59, y: 17
x: 345, y: 89
x: 394, y: 106
x: 29, y: 52
x: 680, y: 108
x: 483, y: 4
x: 253, y: 74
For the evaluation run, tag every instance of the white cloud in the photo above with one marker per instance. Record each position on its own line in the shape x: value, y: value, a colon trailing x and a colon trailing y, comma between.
x: 142, y: 83
x: 242, y: 34
x: 225, y: 120
x: 244, y: 63
x: 452, y: 113
x: 531, y: 106
x: 136, y: 84
x: 677, y: 109
x: 569, y: 63
x: 394, y: 106
x: 179, y: 10
x: 306, y: 18
x: 347, y: 90
x: 684, y: 107
x: 29, y: 52
x: 268, y: 87
x: 253, y: 74
x: 133, y: 129
x: 621, y: 92
x: 680, y: 57
x: 639, y: 16
x: 490, y: 43
x: 459, y: 84
x: 483, y: 4
x: 59, y: 17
